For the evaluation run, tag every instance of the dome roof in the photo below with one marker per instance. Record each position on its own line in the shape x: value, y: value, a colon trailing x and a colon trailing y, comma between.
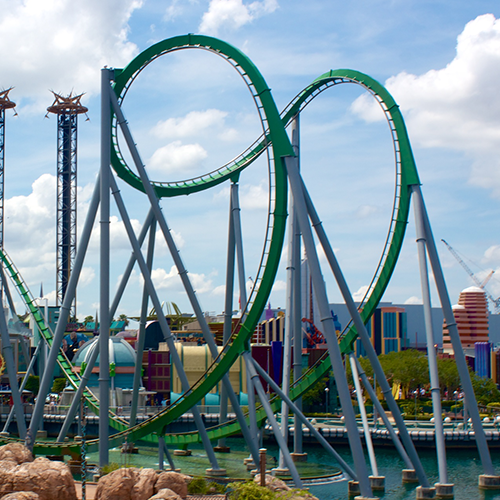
x: 120, y: 352
x: 473, y: 289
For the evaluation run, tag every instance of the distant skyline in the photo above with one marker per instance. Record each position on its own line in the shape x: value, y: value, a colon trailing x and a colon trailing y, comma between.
x: 189, y: 113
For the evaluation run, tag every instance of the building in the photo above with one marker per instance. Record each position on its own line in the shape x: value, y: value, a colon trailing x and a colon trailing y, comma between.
x: 471, y: 315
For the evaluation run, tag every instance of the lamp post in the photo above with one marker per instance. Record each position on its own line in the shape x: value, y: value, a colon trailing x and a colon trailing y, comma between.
x: 327, y: 391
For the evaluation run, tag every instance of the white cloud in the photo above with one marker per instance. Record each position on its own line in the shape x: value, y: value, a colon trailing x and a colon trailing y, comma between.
x: 413, y: 300
x: 164, y: 280
x: 62, y: 44
x: 191, y: 124
x: 233, y: 14
x: 177, y: 159
x: 455, y: 107
x: 358, y: 296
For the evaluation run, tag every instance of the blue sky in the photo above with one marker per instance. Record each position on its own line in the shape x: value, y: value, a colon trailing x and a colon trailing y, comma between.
x: 189, y: 113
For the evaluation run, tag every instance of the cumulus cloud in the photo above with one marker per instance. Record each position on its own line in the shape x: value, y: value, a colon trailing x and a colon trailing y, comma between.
x: 62, y: 44
x: 455, y: 107
x: 191, y: 124
x: 233, y: 14
x: 171, y: 281
x: 176, y: 159
x: 413, y: 300
x: 359, y: 295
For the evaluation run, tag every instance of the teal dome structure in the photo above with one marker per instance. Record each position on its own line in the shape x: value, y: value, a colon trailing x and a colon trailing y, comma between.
x: 121, y: 354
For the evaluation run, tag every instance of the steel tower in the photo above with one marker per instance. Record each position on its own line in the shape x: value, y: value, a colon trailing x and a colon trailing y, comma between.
x: 5, y: 103
x: 67, y: 110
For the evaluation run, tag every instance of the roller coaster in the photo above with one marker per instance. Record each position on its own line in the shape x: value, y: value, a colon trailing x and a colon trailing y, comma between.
x: 284, y: 177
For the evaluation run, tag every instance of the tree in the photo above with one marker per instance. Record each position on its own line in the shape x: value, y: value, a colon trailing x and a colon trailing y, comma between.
x: 123, y: 317
x: 88, y: 319
x: 59, y: 385
x: 407, y: 368
x: 449, y: 380
x: 485, y: 389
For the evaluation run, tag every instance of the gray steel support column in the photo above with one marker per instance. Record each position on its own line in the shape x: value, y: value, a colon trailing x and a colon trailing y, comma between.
x: 254, y: 430
x: 287, y: 344
x: 429, y: 333
x: 10, y: 364
x: 272, y: 420
x: 141, y: 340
x: 303, y: 420
x: 328, y: 328
x: 174, y: 355
x: 163, y: 447
x: 45, y: 383
x: 238, y: 238
x: 365, y: 339
x: 130, y: 264
x: 104, y: 224
x: 451, y: 325
x: 180, y: 268
x: 23, y: 384
x: 362, y: 410
x: 373, y: 396
x: 297, y: 302
x: 228, y: 306
x: 75, y: 403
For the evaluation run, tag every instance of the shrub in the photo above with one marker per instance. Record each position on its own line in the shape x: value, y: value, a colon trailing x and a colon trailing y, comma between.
x: 250, y: 491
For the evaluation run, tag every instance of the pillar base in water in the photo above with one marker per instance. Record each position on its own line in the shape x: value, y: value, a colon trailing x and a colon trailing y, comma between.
x: 222, y: 449
x: 299, y: 457
x: 281, y: 472
x: 409, y: 476
x: 487, y: 482
x: 423, y: 493
x: 377, y: 483
x: 216, y: 472
x: 444, y: 490
x: 182, y: 453
x: 353, y: 488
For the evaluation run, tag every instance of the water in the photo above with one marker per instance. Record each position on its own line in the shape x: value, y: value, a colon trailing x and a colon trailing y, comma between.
x: 464, y: 467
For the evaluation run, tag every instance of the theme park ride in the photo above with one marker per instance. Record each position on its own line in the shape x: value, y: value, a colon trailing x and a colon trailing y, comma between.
x: 283, y: 159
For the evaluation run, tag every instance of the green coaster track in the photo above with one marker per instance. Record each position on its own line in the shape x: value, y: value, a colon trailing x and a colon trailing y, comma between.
x: 275, y: 142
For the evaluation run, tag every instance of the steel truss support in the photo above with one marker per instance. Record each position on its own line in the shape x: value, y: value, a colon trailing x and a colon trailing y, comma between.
x: 174, y: 252
x: 66, y: 201
x: 429, y: 333
x: 423, y: 221
x: 257, y: 384
x: 328, y: 326
x: 364, y: 337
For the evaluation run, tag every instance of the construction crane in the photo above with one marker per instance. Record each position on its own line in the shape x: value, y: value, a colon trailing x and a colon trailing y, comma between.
x: 480, y: 284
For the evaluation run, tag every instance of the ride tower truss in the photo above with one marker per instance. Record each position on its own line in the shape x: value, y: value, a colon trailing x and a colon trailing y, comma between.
x: 67, y: 110
x: 5, y: 103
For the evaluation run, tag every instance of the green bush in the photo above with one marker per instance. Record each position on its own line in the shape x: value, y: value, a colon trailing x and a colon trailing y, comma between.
x: 33, y: 384
x: 250, y: 491
x: 197, y: 486
x: 109, y: 468
x: 59, y: 385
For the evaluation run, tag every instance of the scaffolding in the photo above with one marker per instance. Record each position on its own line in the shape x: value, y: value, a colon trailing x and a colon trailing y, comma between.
x: 67, y: 110
x: 5, y: 103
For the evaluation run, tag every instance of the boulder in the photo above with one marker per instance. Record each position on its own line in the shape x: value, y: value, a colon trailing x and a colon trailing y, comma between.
x: 15, y: 452
x: 128, y: 483
x: 273, y: 483
x: 144, y: 487
x: 21, y: 495
x: 50, y: 480
x: 172, y: 481
x: 116, y: 485
x: 166, y: 494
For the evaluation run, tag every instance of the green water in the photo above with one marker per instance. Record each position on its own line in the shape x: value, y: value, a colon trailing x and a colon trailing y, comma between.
x: 464, y: 467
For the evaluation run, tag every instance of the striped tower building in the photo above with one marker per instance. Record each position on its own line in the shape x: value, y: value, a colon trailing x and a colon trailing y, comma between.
x: 471, y: 315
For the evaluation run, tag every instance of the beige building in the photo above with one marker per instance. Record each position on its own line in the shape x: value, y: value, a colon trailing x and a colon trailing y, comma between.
x: 471, y: 314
